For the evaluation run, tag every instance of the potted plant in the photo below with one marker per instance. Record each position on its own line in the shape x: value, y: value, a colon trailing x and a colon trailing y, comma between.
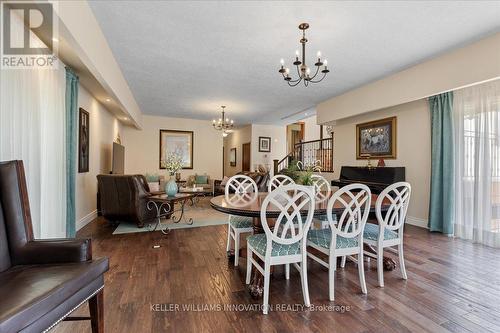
x: 173, y: 163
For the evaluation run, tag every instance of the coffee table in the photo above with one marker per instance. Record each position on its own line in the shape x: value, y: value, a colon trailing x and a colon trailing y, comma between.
x: 165, y: 208
x: 198, y: 193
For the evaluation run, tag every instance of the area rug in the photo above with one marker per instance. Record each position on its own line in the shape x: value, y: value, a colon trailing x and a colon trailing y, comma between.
x: 202, y: 214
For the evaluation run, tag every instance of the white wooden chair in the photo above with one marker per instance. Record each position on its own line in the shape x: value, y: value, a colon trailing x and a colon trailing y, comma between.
x: 389, y: 231
x: 240, y: 190
x: 345, y: 236
x: 286, y: 243
x: 279, y: 180
x: 322, y: 191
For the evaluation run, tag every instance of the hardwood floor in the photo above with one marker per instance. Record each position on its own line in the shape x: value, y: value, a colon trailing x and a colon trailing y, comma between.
x: 452, y: 285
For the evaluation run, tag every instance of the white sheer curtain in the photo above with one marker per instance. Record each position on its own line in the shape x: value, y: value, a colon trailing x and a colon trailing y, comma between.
x: 477, y: 159
x: 32, y: 123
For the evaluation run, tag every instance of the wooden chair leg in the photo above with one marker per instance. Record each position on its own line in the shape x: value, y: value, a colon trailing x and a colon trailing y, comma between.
x: 96, y: 307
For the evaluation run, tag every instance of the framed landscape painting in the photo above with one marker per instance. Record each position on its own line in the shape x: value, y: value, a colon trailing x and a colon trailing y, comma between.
x: 265, y: 144
x: 179, y: 143
x: 376, y: 139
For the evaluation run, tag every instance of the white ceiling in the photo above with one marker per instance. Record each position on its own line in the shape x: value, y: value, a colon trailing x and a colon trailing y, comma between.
x: 185, y: 59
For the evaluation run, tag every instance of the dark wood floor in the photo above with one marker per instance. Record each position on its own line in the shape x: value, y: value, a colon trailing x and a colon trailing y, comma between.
x: 453, y: 286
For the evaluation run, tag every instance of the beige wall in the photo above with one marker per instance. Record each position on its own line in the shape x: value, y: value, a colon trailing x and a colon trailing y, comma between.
x: 311, y: 129
x: 104, y: 128
x: 469, y: 65
x: 235, y: 140
x: 278, y: 145
x: 142, y: 146
x: 413, y: 150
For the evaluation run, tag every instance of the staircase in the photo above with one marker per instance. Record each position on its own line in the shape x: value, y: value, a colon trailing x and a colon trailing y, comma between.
x: 308, y: 152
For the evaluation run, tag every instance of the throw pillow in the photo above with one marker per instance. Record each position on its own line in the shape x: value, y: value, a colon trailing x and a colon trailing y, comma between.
x: 201, y: 179
x: 224, y: 181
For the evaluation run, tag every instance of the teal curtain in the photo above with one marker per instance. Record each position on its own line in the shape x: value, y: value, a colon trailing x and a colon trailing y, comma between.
x: 71, y: 121
x: 441, y: 206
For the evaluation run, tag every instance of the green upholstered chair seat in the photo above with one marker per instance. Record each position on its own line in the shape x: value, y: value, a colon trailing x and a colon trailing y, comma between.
x: 323, y: 237
x: 259, y: 244
x: 240, y: 222
x: 372, y: 230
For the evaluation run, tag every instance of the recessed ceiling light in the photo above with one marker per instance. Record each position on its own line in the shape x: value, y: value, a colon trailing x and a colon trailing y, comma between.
x: 108, y: 100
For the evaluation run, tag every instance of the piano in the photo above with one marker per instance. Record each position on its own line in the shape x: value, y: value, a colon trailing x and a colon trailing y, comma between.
x: 376, y: 178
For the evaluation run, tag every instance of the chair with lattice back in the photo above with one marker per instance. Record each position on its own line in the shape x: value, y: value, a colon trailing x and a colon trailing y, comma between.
x: 286, y: 243
x: 344, y: 237
x: 240, y: 190
x: 389, y: 231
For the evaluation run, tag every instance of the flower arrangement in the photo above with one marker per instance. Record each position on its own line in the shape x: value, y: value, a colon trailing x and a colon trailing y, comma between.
x: 173, y: 163
x: 300, y: 173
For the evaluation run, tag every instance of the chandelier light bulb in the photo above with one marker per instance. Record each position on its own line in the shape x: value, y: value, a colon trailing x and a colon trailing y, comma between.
x: 319, y: 54
x: 308, y: 71
x: 224, y: 134
x: 297, y: 53
x: 325, y: 62
x: 282, y: 61
x: 232, y: 122
x: 287, y: 71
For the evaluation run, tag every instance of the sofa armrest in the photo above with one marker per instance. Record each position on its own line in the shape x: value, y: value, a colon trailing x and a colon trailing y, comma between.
x: 51, y: 251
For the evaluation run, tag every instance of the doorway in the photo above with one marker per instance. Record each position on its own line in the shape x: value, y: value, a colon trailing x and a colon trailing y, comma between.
x: 295, y: 133
x: 245, y: 159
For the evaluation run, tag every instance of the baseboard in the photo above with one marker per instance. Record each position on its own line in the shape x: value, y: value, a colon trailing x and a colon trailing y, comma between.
x: 418, y: 222
x: 86, y: 220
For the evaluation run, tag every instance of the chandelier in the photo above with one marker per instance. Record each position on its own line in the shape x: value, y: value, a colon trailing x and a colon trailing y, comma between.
x: 303, y: 71
x: 223, y: 124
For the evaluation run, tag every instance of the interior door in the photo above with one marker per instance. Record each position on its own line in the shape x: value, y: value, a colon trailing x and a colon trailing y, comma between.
x: 245, y: 159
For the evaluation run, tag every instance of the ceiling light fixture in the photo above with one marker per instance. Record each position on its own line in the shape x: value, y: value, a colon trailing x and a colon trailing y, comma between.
x: 223, y: 124
x: 108, y: 100
x: 303, y: 71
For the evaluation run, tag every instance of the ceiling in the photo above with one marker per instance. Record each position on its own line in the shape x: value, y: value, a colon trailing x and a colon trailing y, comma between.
x: 185, y: 59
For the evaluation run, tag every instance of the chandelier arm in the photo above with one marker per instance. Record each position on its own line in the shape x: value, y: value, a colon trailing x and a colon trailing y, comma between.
x: 296, y: 83
x: 298, y: 71
x: 318, y: 81
x: 317, y: 70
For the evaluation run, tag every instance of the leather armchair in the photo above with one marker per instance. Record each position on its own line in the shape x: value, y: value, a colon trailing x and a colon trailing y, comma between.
x: 41, y: 281
x: 124, y: 198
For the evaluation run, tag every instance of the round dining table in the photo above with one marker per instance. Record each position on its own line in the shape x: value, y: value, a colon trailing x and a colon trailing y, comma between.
x: 250, y: 206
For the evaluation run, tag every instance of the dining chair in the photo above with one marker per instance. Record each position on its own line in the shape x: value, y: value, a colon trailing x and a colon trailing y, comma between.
x: 389, y: 231
x: 286, y: 242
x: 240, y: 190
x: 345, y: 235
x: 322, y: 191
x: 277, y: 181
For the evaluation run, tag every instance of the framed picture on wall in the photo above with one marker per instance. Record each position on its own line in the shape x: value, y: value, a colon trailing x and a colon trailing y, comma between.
x: 265, y: 144
x: 179, y: 143
x: 376, y: 139
x: 232, y: 157
x: 83, y: 140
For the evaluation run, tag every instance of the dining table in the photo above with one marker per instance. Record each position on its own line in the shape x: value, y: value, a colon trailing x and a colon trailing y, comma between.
x: 250, y: 204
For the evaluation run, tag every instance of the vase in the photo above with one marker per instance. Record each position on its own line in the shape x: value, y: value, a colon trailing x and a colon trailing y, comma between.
x: 171, y: 187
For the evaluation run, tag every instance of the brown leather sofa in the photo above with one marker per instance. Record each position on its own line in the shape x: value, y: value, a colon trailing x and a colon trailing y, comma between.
x: 41, y: 281
x: 260, y: 178
x: 124, y: 198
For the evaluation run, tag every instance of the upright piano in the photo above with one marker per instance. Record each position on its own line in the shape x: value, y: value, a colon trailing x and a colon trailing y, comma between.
x: 376, y: 178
